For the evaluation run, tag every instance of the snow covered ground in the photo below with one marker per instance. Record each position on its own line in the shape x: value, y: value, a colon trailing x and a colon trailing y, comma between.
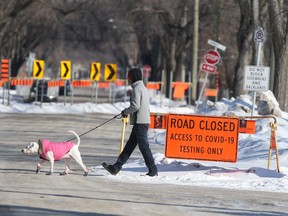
x: 248, y: 173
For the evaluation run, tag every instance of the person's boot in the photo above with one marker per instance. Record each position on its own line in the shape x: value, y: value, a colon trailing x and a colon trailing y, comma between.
x: 152, y: 174
x: 113, y: 170
x: 152, y: 171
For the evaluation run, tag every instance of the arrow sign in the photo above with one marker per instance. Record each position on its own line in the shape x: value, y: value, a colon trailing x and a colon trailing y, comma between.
x: 38, y: 69
x: 95, y: 71
x: 66, y: 70
x: 110, y: 72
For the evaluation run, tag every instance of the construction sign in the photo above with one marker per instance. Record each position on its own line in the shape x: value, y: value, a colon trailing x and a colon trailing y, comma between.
x: 247, y: 126
x: 5, y: 67
x: 95, y: 72
x: 110, y: 72
x: 65, y: 70
x: 158, y: 120
x: 38, y: 69
x: 202, y: 137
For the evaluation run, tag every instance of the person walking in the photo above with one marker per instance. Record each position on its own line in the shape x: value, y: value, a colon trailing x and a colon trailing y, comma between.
x: 140, y: 119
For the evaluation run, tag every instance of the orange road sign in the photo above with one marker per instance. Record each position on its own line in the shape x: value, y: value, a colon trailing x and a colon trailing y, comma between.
x: 247, y: 126
x: 158, y: 120
x: 202, y: 137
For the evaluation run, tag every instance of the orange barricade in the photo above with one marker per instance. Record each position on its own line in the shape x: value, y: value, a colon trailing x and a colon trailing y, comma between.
x: 273, y: 145
x: 5, y: 70
x: 103, y: 85
x: 250, y: 127
x: 247, y: 126
x: 53, y: 83
x: 211, y: 92
x: 120, y: 82
x: 153, y: 85
x: 179, y: 89
x: 15, y: 82
x: 158, y: 121
x: 81, y: 83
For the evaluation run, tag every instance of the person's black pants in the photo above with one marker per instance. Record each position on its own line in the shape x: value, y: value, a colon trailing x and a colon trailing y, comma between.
x: 138, y: 136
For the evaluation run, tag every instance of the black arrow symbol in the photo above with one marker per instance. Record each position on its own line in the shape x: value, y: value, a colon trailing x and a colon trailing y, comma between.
x: 96, y: 70
x: 67, y: 70
x: 112, y: 72
x: 39, y: 69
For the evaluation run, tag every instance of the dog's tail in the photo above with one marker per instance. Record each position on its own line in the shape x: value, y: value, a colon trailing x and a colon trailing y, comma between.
x: 78, y: 138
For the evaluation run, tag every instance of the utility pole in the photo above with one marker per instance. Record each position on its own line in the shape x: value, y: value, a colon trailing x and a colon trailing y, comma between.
x: 195, y: 50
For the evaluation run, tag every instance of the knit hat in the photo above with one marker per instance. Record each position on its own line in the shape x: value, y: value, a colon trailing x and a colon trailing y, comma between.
x: 135, y: 74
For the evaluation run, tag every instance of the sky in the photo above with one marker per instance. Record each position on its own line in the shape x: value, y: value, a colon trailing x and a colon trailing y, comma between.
x: 249, y: 172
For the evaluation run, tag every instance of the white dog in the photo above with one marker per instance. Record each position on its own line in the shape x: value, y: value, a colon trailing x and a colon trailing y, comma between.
x: 54, y: 151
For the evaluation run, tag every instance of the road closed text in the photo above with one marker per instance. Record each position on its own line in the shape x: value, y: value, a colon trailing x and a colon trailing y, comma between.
x: 203, y: 124
x: 202, y: 137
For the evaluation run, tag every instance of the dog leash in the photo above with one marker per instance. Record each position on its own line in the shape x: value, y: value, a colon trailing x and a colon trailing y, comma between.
x: 96, y: 127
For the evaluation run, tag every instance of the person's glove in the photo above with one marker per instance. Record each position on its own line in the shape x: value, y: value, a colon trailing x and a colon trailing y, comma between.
x: 123, y: 114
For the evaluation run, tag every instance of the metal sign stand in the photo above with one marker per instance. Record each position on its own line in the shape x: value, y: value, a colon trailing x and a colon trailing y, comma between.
x: 216, y: 46
x: 259, y: 41
x: 273, y: 145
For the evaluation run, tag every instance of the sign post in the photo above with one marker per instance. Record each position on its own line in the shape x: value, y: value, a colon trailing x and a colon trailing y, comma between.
x: 110, y: 74
x: 38, y: 73
x: 65, y: 72
x: 95, y: 74
x: 258, y: 38
x: 211, y: 58
x: 5, y: 77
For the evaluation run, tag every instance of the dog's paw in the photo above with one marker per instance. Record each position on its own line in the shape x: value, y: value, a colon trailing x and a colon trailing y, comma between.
x: 63, y: 173
x: 49, y: 173
x: 38, y: 168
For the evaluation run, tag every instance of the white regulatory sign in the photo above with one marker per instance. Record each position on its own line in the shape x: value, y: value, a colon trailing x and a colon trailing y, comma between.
x: 259, y: 36
x: 256, y: 78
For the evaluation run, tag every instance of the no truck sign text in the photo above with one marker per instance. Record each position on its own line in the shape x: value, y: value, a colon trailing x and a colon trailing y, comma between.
x: 202, y: 138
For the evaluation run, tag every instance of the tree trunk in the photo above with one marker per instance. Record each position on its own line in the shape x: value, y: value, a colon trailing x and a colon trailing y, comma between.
x: 244, y: 39
x: 279, y: 40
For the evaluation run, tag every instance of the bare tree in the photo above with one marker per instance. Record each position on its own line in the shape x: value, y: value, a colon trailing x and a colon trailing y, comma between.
x: 244, y: 41
x: 154, y: 32
x: 278, y: 22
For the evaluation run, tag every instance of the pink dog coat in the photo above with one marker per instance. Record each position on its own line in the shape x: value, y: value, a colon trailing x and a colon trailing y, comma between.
x: 59, y: 149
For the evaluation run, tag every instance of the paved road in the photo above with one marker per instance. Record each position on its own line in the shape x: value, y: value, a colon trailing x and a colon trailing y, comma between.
x: 22, y: 192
